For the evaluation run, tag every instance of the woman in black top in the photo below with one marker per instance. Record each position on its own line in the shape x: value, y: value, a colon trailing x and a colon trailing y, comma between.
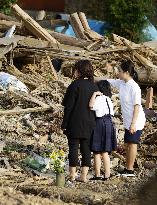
x: 79, y: 120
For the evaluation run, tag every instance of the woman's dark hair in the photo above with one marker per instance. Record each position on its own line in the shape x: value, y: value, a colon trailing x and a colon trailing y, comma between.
x: 105, y: 88
x: 85, y: 69
x: 128, y: 66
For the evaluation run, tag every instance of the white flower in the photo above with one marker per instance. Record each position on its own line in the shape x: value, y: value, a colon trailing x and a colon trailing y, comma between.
x: 62, y: 164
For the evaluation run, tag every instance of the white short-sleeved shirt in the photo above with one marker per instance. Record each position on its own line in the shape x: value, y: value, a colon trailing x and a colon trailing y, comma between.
x: 130, y: 95
x: 101, y: 108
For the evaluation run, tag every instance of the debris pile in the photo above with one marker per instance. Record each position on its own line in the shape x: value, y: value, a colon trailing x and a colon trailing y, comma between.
x: 41, y: 61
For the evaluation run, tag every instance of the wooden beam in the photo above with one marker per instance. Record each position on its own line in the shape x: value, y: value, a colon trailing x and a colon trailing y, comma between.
x: 84, y: 21
x: 149, y: 98
x: 29, y: 98
x: 77, y: 26
x: 69, y: 40
x: 52, y: 68
x: 32, y: 25
x: 5, y: 25
x: 24, y: 111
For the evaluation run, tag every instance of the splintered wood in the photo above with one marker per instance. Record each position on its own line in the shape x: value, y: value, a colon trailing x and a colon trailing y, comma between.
x: 32, y: 25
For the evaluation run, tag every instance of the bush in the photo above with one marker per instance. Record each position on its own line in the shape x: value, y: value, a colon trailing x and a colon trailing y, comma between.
x: 129, y: 18
x: 5, y: 6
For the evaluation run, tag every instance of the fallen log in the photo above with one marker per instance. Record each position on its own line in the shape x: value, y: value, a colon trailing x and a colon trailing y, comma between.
x: 32, y: 25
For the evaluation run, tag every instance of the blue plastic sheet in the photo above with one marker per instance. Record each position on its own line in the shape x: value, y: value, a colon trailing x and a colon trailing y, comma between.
x: 97, y: 26
x: 102, y: 27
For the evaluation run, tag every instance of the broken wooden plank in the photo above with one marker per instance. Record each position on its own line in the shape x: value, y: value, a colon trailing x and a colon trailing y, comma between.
x: 93, y: 35
x: 7, y: 41
x: 142, y: 59
x: 32, y: 25
x: 77, y: 26
x: 151, y: 44
x: 6, y: 49
x: 69, y: 40
x: 24, y: 111
x: 84, y: 21
x: 120, y: 40
x: 6, y: 25
x: 29, y: 98
x: 149, y: 98
x: 52, y: 68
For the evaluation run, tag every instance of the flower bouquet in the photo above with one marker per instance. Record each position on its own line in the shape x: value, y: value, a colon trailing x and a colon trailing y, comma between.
x: 57, y: 164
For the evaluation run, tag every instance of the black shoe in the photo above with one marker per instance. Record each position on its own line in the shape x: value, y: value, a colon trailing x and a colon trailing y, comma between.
x: 96, y: 178
x: 105, y: 178
x: 126, y: 173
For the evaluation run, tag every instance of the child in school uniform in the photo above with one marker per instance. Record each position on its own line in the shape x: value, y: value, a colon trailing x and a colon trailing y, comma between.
x: 103, y: 140
x: 132, y: 112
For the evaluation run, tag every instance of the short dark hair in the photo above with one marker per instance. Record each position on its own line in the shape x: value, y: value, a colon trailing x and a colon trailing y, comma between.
x: 85, y: 69
x: 128, y: 66
x: 105, y: 87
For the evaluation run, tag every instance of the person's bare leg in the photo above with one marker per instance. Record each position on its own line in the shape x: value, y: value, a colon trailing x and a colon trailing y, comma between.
x: 127, y: 153
x: 97, y: 164
x: 84, y: 173
x: 106, y: 162
x: 72, y: 173
x: 131, y: 156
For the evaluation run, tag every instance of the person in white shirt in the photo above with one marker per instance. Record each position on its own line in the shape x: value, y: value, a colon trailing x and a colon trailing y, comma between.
x: 103, y: 140
x: 132, y: 111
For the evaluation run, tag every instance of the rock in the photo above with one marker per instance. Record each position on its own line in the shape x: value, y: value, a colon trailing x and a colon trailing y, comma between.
x: 114, y: 162
x: 4, y: 161
x: 2, y: 145
x: 121, y: 168
x: 43, y: 139
x: 150, y: 165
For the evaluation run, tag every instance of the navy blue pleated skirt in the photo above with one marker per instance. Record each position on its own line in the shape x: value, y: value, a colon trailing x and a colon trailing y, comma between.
x: 104, y: 135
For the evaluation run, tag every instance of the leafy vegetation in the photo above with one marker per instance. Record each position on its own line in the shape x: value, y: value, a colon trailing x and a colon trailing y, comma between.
x: 129, y: 18
x: 5, y: 6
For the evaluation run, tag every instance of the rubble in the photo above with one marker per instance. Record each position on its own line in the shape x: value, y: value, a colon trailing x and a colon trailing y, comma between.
x: 30, y: 122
